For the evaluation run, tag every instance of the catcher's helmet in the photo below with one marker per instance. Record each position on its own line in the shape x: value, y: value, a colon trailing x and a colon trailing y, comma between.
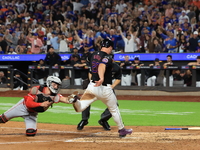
x: 106, y: 43
x: 54, y: 79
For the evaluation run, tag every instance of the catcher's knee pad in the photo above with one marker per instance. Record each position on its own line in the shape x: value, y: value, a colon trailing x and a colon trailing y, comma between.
x: 31, y: 132
x: 3, y: 119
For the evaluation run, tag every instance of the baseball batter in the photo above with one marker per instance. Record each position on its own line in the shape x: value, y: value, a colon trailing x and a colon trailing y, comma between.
x: 38, y: 100
x: 100, y: 86
x: 106, y: 115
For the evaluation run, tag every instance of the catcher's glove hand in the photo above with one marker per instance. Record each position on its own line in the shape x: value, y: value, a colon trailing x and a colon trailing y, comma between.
x: 73, y: 97
x: 40, y: 98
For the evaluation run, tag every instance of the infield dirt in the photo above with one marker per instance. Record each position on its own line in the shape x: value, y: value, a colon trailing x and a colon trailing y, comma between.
x: 66, y: 137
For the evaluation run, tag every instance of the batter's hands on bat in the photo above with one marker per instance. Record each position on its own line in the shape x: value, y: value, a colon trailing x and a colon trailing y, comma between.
x: 98, y: 83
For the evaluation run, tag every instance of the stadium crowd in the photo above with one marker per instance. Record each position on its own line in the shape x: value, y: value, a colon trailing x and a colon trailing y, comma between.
x: 78, y: 27
x: 139, y: 26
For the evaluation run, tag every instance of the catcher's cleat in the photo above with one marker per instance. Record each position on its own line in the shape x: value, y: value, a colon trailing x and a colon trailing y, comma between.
x: 104, y: 124
x: 73, y: 97
x: 123, y: 132
x: 82, y: 124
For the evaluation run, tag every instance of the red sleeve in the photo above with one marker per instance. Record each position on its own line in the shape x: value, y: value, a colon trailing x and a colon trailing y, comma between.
x: 29, y: 101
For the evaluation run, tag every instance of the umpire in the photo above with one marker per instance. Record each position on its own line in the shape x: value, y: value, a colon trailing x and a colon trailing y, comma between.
x: 106, y: 115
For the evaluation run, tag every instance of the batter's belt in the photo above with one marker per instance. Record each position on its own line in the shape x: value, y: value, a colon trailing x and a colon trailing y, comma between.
x: 102, y: 83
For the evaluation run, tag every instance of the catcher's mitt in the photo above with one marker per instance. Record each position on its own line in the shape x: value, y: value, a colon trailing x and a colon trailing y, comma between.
x: 40, y: 98
x: 73, y: 97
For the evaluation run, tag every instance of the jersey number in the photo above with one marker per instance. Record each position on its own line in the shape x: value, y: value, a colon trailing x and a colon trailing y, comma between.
x: 95, y: 66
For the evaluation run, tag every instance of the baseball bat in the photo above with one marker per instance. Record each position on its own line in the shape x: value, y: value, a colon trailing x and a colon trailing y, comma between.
x: 191, y: 128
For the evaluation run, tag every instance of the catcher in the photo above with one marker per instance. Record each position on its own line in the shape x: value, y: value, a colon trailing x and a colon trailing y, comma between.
x: 38, y: 100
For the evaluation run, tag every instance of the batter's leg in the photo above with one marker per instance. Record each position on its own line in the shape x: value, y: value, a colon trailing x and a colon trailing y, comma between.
x: 87, y: 98
x: 111, y: 101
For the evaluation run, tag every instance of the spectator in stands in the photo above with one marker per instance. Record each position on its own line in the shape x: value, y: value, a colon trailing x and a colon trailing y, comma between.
x: 7, y: 37
x: 169, y: 11
x: 191, y: 14
x: 63, y: 45
x: 3, y: 79
x: 77, y: 5
x: 193, y: 42
x: 1, y: 51
x: 22, y: 39
x: 3, y: 44
x: 182, y: 44
x: 54, y: 41
x: 53, y: 59
x: 11, y: 51
x: 158, y: 47
x: 170, y: 42
x: 20, y: 49
x: 29, y: 50
x: 128, y: 41
x: 120, y: 6
x: 136, y: 42
x: 14, y: 40
x: 183, y: 17
x: 36, y: 43
x: 113, y: 35
x: 150, y: 45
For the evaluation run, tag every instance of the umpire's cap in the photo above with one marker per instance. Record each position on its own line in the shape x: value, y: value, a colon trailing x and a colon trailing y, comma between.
x: 107, y: 43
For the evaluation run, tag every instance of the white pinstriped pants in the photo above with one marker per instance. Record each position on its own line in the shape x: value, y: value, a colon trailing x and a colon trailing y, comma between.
x: 106, y: 95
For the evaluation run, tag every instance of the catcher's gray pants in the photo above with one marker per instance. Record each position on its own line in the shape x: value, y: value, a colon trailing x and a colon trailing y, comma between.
x: 20, y: 110
x: 107, y: 96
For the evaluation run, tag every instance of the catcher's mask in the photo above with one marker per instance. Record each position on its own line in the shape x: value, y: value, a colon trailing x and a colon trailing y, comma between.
x: 53, y: 79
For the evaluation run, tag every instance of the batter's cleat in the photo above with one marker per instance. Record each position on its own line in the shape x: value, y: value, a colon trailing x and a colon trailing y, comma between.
x: 73, y: 97
x: 123, y: 132
x: 104, y: 124
x: 82, y: 124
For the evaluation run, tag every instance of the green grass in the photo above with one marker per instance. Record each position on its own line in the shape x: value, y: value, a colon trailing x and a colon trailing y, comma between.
x: 139, y: 113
